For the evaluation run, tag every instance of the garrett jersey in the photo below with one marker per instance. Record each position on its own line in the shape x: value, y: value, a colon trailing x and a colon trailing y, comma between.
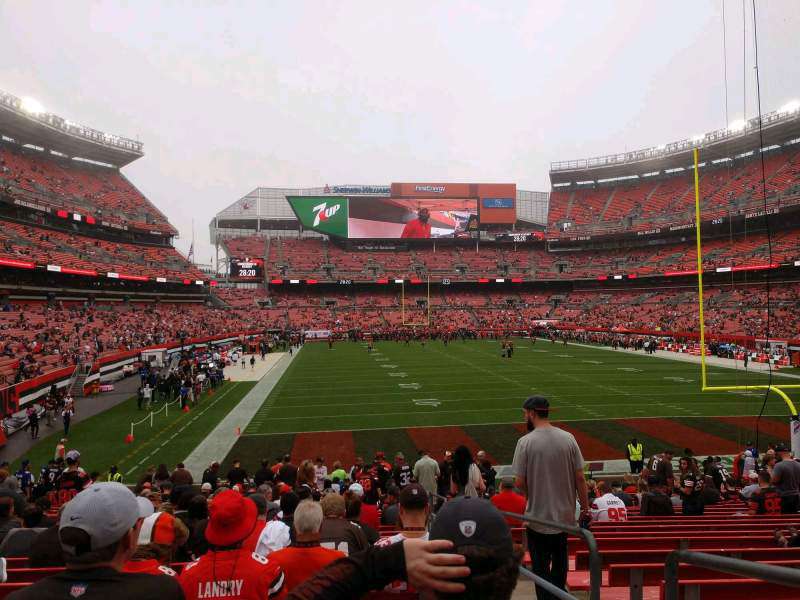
x: 608, y: 508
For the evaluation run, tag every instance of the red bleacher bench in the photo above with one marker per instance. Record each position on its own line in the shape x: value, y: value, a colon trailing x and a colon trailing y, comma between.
x: 635, y: 555
x: 733, y: 589
x: 606, y: 543
x: 636, y: 576
x: 7, y: 588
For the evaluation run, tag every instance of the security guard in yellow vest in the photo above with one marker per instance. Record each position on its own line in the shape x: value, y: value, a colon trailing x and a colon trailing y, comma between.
x: 635, y: 454
x: 114, y: 474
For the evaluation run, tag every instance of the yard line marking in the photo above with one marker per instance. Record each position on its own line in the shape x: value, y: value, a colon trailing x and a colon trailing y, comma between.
x: 511, y: 422
x: 426, y: 402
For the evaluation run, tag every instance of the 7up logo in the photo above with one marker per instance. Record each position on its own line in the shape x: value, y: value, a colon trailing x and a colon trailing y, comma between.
x: 323, y: 212
x: 326, y: 214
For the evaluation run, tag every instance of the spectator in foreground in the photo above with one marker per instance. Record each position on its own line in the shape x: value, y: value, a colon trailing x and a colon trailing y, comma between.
x: 390, y: 514
x: 480, y: 534
x: 181, y: 476
x: 466, y: 477
x: 509, y: 501
x: 472, y: 557
x: 414, y: 513
x: 337, y: 532
x: 606, y: 507
x: 766, y: 500
x: 8, y: 519
x: 18, y: 542
x: 160, y: 535
x: 304, y: 557
x: 426, y: 471
x: 227, y: 569
x: 616, y: 489
x: 689, y: 486
x: 786, y: 479
x: 353, y: 506
x: 98, y: 533
x: 656, y: 502
x: 236, y: 475
x: 551, y: 455
x: 211, y: 475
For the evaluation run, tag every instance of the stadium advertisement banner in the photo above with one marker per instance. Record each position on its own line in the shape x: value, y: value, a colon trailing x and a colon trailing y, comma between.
x: 326, y: 214
x: 365, y: 217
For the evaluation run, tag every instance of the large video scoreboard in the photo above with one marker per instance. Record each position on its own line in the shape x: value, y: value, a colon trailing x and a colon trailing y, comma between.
x: 247, y: 269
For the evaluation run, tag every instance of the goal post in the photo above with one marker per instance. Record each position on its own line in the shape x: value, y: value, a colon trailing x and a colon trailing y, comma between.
x: 427, y: 321
x: 779, y: 390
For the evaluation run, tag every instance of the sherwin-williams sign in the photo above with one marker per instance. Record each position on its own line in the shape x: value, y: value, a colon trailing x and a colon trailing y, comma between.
x: 326, y: 214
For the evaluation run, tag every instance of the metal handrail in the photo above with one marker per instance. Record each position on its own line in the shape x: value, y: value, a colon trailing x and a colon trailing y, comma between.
x: 546, y: 585
x: 771, y: 573
x: 595, y: 562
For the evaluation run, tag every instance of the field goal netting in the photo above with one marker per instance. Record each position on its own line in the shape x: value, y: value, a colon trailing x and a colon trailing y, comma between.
x: 416, y: 311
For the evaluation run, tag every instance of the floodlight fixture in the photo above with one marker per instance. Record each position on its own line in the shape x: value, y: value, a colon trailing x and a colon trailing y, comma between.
x: 31, y: 105
x: 790, y: 107
x: 737, y: 125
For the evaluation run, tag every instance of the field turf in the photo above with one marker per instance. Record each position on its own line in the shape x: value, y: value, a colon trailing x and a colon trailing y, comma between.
x: 101, y: 438
x: 346, y: 401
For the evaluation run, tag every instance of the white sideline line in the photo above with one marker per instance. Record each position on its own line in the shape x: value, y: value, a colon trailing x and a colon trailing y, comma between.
x: 170, y: 438
x: 221, y: 439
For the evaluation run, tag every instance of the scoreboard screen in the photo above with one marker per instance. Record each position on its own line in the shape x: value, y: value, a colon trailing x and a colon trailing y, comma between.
x: 248, y: 269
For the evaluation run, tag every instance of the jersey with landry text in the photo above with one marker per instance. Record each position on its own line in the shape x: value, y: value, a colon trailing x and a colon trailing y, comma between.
x: 236, y: 574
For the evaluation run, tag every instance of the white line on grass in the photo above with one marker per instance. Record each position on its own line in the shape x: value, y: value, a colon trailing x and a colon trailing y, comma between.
x: 493, y: 423
x: 217, y: 399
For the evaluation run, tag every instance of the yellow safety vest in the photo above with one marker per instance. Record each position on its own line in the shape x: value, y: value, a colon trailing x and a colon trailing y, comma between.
x: 116, y: 477
x: 635, y: 452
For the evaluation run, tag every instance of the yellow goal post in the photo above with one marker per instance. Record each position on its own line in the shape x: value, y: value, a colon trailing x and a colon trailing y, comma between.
x: 779, y: 390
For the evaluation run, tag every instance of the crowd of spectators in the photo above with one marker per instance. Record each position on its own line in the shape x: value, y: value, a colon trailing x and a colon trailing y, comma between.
x: 40, y: 336
x: 302, y: 531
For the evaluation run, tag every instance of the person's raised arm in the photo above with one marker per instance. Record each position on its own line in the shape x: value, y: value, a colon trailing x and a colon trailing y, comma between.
x: 425, y: 565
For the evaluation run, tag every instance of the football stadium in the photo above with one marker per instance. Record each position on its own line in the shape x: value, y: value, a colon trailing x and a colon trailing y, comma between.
x: 587, y: 390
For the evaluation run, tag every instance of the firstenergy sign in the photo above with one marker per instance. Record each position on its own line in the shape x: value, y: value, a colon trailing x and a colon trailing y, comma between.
x: 326, y: 214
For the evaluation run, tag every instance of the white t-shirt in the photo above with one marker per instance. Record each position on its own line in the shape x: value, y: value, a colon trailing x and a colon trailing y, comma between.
x: 609, y: 508
x: 275, y: 536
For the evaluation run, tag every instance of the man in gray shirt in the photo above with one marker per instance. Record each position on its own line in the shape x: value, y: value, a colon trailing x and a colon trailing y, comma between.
x: 548, y: 467
x: 426, y: 472
x: 786, y: 479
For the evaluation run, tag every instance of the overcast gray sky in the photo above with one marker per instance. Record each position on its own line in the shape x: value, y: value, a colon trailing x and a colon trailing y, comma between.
x: 227, y: 96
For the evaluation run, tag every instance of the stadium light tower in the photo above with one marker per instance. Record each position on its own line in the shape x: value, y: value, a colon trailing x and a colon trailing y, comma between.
x: 737, y: 125
x: 31, y: 105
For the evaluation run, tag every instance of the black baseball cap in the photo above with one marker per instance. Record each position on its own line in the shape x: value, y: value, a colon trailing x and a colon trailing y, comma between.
x: 467, y: 521
x: 414, y: 497
x: 781, y: 447
x: 539, y: 403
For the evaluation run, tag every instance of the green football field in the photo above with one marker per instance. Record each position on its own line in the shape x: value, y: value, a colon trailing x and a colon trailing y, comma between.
x: 346, y: 401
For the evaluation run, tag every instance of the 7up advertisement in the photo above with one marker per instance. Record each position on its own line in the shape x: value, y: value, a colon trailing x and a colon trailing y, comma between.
x: 326, y: 214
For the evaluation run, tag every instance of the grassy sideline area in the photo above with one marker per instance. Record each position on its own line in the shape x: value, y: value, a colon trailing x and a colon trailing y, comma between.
x: 101, y: 438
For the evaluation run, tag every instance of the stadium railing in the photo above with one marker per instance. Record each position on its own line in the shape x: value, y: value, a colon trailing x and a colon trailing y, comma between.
x: 784, y: 576
x: 595, y: 562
